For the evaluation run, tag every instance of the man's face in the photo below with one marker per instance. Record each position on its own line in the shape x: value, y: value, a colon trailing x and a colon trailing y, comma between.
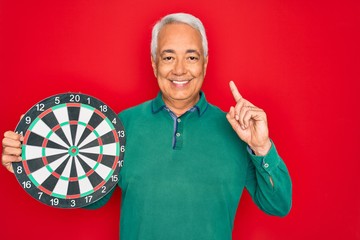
x: 180, y: 65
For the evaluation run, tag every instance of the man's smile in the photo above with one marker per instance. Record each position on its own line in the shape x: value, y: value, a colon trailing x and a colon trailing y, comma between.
x: 180, y: 83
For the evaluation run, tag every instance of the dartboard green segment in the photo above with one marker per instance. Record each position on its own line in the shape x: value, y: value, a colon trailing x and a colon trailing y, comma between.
x: 72, y: 151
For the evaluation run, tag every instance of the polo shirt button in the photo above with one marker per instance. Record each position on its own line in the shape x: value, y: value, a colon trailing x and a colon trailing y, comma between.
x: 178, y: 120
x: 178, y: 134
x: 266, y: 165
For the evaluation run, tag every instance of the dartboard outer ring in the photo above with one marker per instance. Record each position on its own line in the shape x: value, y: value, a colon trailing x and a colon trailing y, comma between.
x: 72, y: 151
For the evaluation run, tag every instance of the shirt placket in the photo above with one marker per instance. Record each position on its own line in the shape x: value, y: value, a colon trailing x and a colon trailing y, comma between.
x: 178, y: 138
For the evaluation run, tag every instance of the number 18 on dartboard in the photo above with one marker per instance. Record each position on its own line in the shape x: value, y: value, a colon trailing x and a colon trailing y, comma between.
x: 72, y: 151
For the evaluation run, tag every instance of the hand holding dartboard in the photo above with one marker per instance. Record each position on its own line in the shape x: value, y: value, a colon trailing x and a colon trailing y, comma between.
x: 72, y: 150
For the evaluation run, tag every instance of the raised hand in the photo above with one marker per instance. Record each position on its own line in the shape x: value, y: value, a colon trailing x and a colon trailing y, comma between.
x: 249, y: 122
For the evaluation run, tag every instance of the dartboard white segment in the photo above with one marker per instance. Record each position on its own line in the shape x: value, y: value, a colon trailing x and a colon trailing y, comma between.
x: 85, y: 114
x: 66, y: 172
x: 61, y: 113
x: 79, y: 131
x: 96, y: 150
x: 53, y: 151
x: 61, y: 187
x: 103, y: 171
x: 85, y: 185
x: 41, y: 128
x: 103, y: 128
x: 41, y: 175
x: 32, y: 152
x: 72, y: 151
x: 110, y: 149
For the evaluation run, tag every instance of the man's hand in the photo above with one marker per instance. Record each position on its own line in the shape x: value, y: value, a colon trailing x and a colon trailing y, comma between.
x: 249, y: 122
x: 11, y: 149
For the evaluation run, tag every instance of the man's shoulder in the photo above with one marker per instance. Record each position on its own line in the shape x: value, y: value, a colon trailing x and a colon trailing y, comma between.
x: 215, y: 111
x: 136, y: 111
x: 145, y: 106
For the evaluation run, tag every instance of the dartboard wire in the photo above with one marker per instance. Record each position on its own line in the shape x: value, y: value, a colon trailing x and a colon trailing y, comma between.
x: 85, y: 115
x: 43, y: 150
x: 40, y: 128
x: 84, y: 182
x: 95, y: 166
x: 102, y: 170
x: 106, y: 149
x: 51, y: 171
x: 109, y: 149
x: 60, y: 189
x: 60, y: 135
x: 39, y: 176
x: 61, y: 113
x: 30, y: 148
x: 90, y: 137
x: 30, y: 152
x: 83, y: 188
x: 91, y: 124
x: 100, y: 148
x: 64, y: 180
x: 99, y: 129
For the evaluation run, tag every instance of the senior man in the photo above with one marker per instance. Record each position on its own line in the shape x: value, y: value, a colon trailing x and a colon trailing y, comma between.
x: 185, y: 166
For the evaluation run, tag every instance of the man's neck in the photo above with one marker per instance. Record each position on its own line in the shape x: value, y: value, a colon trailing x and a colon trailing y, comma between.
x: 179, y: 107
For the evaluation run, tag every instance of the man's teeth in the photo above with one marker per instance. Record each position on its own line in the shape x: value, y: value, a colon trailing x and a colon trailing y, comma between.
x: 180, y: 82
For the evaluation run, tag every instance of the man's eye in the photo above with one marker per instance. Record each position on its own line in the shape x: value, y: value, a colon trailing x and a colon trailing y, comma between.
x: 167, y: 58
x: 193, y: 58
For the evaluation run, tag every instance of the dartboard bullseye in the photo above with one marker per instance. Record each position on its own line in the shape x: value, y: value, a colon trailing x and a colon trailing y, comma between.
x: 72, y: 150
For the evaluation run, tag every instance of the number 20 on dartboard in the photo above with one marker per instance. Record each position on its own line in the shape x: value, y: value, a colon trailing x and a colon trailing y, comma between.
x: 72, y: 151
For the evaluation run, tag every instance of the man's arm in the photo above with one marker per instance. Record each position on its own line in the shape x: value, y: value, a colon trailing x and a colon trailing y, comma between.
x: 269, y: 184
x: 268, y: 180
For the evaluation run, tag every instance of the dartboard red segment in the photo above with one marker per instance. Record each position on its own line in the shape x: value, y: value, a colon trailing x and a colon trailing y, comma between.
x: 72, y: 152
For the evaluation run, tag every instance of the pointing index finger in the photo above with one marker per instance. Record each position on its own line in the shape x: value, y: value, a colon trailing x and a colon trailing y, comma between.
x: 235, y: 92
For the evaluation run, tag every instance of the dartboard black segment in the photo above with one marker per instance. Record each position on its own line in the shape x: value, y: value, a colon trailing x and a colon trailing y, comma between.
x: 72, y: 150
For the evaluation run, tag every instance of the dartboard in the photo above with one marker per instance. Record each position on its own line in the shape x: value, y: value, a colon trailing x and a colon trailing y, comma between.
x: 72, y: 150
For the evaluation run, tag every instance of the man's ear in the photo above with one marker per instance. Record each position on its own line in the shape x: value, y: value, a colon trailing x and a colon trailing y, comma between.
x: 153, y: 64
x: 206, y: 59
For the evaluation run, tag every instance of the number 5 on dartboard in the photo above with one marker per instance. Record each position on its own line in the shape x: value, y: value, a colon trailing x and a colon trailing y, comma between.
x: 72, y: 151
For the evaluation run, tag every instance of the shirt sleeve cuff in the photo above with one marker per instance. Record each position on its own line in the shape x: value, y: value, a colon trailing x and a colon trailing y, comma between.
x: 268, y: 162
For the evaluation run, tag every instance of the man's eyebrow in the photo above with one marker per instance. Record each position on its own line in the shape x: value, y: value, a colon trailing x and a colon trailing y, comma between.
x: 192, y: 51
x: 173, y: 51
x: 167, y: 51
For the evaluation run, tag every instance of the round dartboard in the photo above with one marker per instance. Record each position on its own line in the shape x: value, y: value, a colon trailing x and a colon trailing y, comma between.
x: 72, y: 150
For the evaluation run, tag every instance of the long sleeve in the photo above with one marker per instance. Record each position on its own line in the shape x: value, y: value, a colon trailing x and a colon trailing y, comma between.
x: 269, y: 184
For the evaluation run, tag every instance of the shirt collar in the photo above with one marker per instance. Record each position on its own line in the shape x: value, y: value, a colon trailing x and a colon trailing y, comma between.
x: 158, y: 103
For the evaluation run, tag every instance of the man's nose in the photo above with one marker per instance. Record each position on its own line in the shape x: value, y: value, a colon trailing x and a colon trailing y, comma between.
x: 179, y: 67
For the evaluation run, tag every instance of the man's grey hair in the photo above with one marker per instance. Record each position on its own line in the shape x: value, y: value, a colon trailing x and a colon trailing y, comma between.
x: 178, y: 18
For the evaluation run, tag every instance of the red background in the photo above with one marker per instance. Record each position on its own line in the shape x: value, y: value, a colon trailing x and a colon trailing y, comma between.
x: 299, y: 60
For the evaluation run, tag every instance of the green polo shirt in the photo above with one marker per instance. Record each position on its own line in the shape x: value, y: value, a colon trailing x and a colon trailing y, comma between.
x: 182, y: 178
